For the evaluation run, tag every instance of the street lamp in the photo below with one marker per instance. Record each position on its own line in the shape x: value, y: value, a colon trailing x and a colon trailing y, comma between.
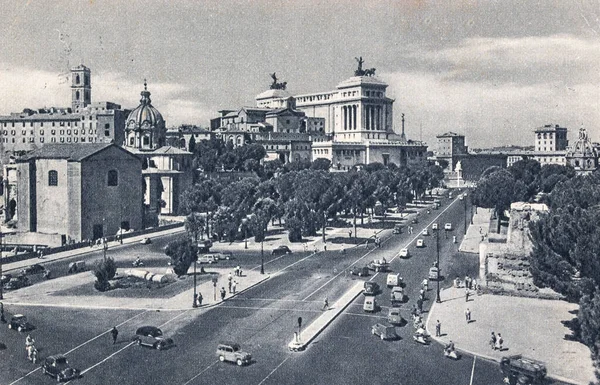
x: 262, y: 255
x: 438, y: 299
x: 195, y: 304
x: 465, y: 203
x: 245, y: 224
x: 104, y: 247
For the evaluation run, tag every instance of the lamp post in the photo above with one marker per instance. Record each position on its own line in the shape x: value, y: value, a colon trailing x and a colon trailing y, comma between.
x: 121, y: 225
x: 245, y: 224
x: 437, y: 249
x: 262, y: 255
x: 465, y: 203
x: 195, y: 304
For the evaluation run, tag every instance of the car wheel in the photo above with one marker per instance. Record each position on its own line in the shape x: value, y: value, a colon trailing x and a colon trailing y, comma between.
x: 9, y: 326
x: 222, y: 358
x: 382, y: 337
x: 239, y: 362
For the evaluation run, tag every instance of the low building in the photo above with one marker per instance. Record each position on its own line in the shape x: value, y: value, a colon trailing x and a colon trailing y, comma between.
x: 181, y: 136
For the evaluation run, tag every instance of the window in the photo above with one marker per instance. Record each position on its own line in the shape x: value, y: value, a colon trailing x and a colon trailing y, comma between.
x: 113, y: 178
x: 53, y: 132
x: 41, y: 140
x: 106, y: 132
x: 52, y: 178
x: 107, y: 126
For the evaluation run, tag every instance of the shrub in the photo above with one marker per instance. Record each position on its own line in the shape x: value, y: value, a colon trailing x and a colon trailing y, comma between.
x: 182, y: 252
x: 104, y: 270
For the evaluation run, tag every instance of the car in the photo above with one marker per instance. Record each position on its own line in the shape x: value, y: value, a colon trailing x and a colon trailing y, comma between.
x: 414, y: 221
x: 5, y: 278
x: 436, y: 205
x: 425, y: 232
x: 146, y: 241
x: 370, y: 304
x: 433, y: 273
x: 394, y: 316
x: 448, y: 226
x: 208, y: 258
x: 58, y: 367
x: 371, y: 288
x: 397, y: 295
x: 420, y: 243
x: 226, y: 255
x: 397, y: 229
x: 360, y: 271
x: 204, y: 245
x: 153, y: 337
x: 16, y: 283
x: 434, y: 226
x: 384, y: 332
x: 19, y: 323
x: 449, y: 195
x: 404, y: 253
x: 33, y: 270
x: 281, y: 250
x: 378, y: 265
x: 461, y: 197
x: 393, y: 280
x: 229, y: 351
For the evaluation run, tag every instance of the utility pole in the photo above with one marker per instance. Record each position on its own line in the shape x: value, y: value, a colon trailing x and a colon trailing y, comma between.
x: 437, y: 248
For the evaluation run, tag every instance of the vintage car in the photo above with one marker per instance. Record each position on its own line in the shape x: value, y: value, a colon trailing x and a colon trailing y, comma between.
x: 420, y: 243
x: 384, y: 332
x: 397, y: 295
x: 404, y: 253
x: 146, y: 241
x: 229, y: 351
x: 394, y: 316
x: 208, y: 258
x: 360, y: 271
x: 76, y: 267
x: 434, y: 226
x: 58, y: 367
x: 204, y: 245
x: 371, y: 288
x: 33, y: 270
x: 397, y: 229
x: 378, y: 265
x: 434, y: 273
x: 280, y: 250
x: 448, y: 226
x: 16, y: 283
x: 153, y: 337
x: 19, y: 323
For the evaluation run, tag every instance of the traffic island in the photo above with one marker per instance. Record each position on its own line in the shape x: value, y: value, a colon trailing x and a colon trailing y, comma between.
x: 301, y: 340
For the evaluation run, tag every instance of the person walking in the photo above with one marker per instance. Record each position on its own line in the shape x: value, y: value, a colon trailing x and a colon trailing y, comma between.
x: 466, y: 294
x: 468, y: 315
x: 499, y: 342
x: 2, y: 319
x: 422, y: 294
x: 230, y: 284
x: 420, y: 305
x: 222, y: 293
x: 438, y: 329
x: 493, y: 341
x: 425, y: 285
x: 114, y: 332
x: 233, y: 287
x: 326, y: 304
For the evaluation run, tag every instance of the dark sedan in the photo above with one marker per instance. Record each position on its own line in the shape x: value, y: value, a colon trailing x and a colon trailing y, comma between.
x: 19, y: 323
x: 58, y: 367
x: 281, y: 250
x: 33, y: 269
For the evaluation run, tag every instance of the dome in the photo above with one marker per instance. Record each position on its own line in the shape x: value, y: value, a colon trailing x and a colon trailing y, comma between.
x: 145, y: 115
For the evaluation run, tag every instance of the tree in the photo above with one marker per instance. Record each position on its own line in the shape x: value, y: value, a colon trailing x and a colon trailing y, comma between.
x: 104, y: 271
x: 194, y: 224
x: 183, y: 252
x: 321, y: 164
x: 495, y: 191
x: 192, y: 144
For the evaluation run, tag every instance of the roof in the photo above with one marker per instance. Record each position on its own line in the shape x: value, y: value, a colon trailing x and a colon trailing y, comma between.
x: 268, y: 94
x: 449, y: 133
x: 71, y: 152
x: 166, y: 150
x: 362, y: 80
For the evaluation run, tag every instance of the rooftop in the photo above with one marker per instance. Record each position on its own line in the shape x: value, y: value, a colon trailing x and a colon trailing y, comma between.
x: 71, y: 152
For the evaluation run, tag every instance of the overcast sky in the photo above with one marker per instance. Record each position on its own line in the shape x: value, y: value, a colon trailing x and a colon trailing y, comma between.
x: 492, y: 70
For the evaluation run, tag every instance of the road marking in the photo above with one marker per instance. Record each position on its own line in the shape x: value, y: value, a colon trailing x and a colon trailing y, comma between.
x: 298, y: 261
x: 203, y: 370
x: 270, y: 308
x: 273, y: 371
x: 365, y: 315
x: 79, y: 346
x: 106, y: 359
x: 268, y: 299
x: 473, y: 370
x: 266, y: 263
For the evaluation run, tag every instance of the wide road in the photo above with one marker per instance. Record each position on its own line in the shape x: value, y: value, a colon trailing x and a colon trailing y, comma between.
x: 262, y: 320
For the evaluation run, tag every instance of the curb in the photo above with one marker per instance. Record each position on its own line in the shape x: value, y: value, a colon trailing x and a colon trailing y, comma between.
x: 439, y: 341
x: 232, y: 296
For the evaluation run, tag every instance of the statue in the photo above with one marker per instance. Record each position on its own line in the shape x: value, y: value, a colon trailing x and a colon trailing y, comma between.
x: 359, y: 71
x: 275, y: 85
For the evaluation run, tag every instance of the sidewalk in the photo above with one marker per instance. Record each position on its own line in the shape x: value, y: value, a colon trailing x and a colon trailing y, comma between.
x: 531, y: 327
x: 480, y: 226
x: 7, y: 267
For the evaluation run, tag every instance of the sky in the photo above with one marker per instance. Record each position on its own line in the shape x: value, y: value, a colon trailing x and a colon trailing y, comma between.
x: 493, y: 70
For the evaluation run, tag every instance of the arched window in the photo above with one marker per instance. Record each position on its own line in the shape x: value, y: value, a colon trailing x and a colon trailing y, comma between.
x: 52, y: 178
x: 131, y: 141
x: 113, y: 178
x: 76, y: 95
x: 146, y: 141
x: 77, y: 80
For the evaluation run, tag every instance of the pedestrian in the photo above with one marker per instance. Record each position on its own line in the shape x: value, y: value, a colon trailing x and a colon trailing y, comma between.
x: 454, y: 239
x: 229, y: 284
x: 377, y: 242
x: 233, y: 286
x: 499, y: 342
x: 114, y: 332
x: 2, y: 319
x: 466, y: 281
x: 438, y: 329
x: 195, y: 303
x: 350, y: 234
x: 422, y: 294
x: 237, y: 271
x: 222, y: 293
x: 200, y: 299
x: 325, y: 304
x: 468, y: 315
x: 425, y: 284
x: 466, y: 295
x: 229, y: 277
x: 420, y: 305
x: 493, y: 341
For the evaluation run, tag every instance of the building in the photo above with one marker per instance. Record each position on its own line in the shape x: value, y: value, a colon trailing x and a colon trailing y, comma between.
x: 167, y: 171
x: 83, y: 122
x: 71, y: 192
x: 181, y: 136
x: 451, y: 148
x: 551, y: 145
x: 582, y: 156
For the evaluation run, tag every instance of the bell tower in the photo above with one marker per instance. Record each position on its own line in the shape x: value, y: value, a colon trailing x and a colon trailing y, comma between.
x: 81, y: 87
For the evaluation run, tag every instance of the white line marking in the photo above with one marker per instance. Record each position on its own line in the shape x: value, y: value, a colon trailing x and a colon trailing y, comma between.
x: 273, y: 371
x: 266, y: 263
x: 107, y: 358
x: 270, y: 308
x: 268, y: 299
x: 203, y: 370
x: 473, y: 370
x: 364, y: 315
x: 298, y: 261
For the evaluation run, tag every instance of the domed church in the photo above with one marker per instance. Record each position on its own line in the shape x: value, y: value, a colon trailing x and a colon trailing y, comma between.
x: 167, y: 171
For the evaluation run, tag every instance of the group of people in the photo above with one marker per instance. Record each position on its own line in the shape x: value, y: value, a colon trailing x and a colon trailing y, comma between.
x: 30, y: 349
x: 231, y: 283
x: 496, y: 341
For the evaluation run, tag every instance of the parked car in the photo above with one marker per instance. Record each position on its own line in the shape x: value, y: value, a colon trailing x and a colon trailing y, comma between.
x: 33, y: 270
x: 448, y: 226
x: 434, y: 273
x: 434, y: 226
x: 228, y: 351
x: 397, y: 295
x: 384, y: 332
x: 404, y: 253
x: 153, y: 337
x: 360, y: 271
x: 208, y: 258
x: 394, y: 316
x: 226, y: 255
x: 5, y: 278
x: 204, y: 245
x: 397, y: 229
x: 370, y: 304
x: 420, y: 243
x: 280, y: 250
x: 58, y: 367
x: 414, y: 221
x: 146, y: 241
x: 19, y: 323
x: 76, y: 267
x: 378, y: 265
x: 16, y: 283
x: 394, y: 280
x: 371, y: 288
x: 425, y: 232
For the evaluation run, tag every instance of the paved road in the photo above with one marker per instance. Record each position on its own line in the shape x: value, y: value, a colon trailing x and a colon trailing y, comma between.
x: 263, y: 321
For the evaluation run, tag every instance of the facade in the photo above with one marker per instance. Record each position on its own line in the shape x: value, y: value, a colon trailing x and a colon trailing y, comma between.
x: 84, y: 122
x: 451, y: 148
x: 582, y: 156
x: 167, y: 170
x: 551, y: 144
x: 78, y: 191
x: 181, y: 136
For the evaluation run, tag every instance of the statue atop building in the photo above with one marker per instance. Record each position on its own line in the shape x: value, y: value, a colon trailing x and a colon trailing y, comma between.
x: 363, y: 72
x: 275, y: 85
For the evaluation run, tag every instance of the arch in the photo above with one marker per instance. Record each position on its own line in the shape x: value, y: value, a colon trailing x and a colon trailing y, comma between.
x: 77, y: 79
x: 52, y: 178
x: 113, y: 178
x: 77, y: 95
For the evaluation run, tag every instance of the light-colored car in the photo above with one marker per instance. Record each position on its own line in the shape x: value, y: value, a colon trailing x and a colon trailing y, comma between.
x: 393, y: 280
x: 370, y: 304
x: 146, y: 241
x: 394, y: 316
x: 228, y: 351
x: 384, y: 332
x: 420, y: 243
x: 404, y: 253
x: 434, y: 226
x: 425, y: 232
x: 397, y: 295
x: 208, y: 258
x: 448, y: 226
x: 378, y: 265
x: 433, y: 273
x: 225, y: 255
